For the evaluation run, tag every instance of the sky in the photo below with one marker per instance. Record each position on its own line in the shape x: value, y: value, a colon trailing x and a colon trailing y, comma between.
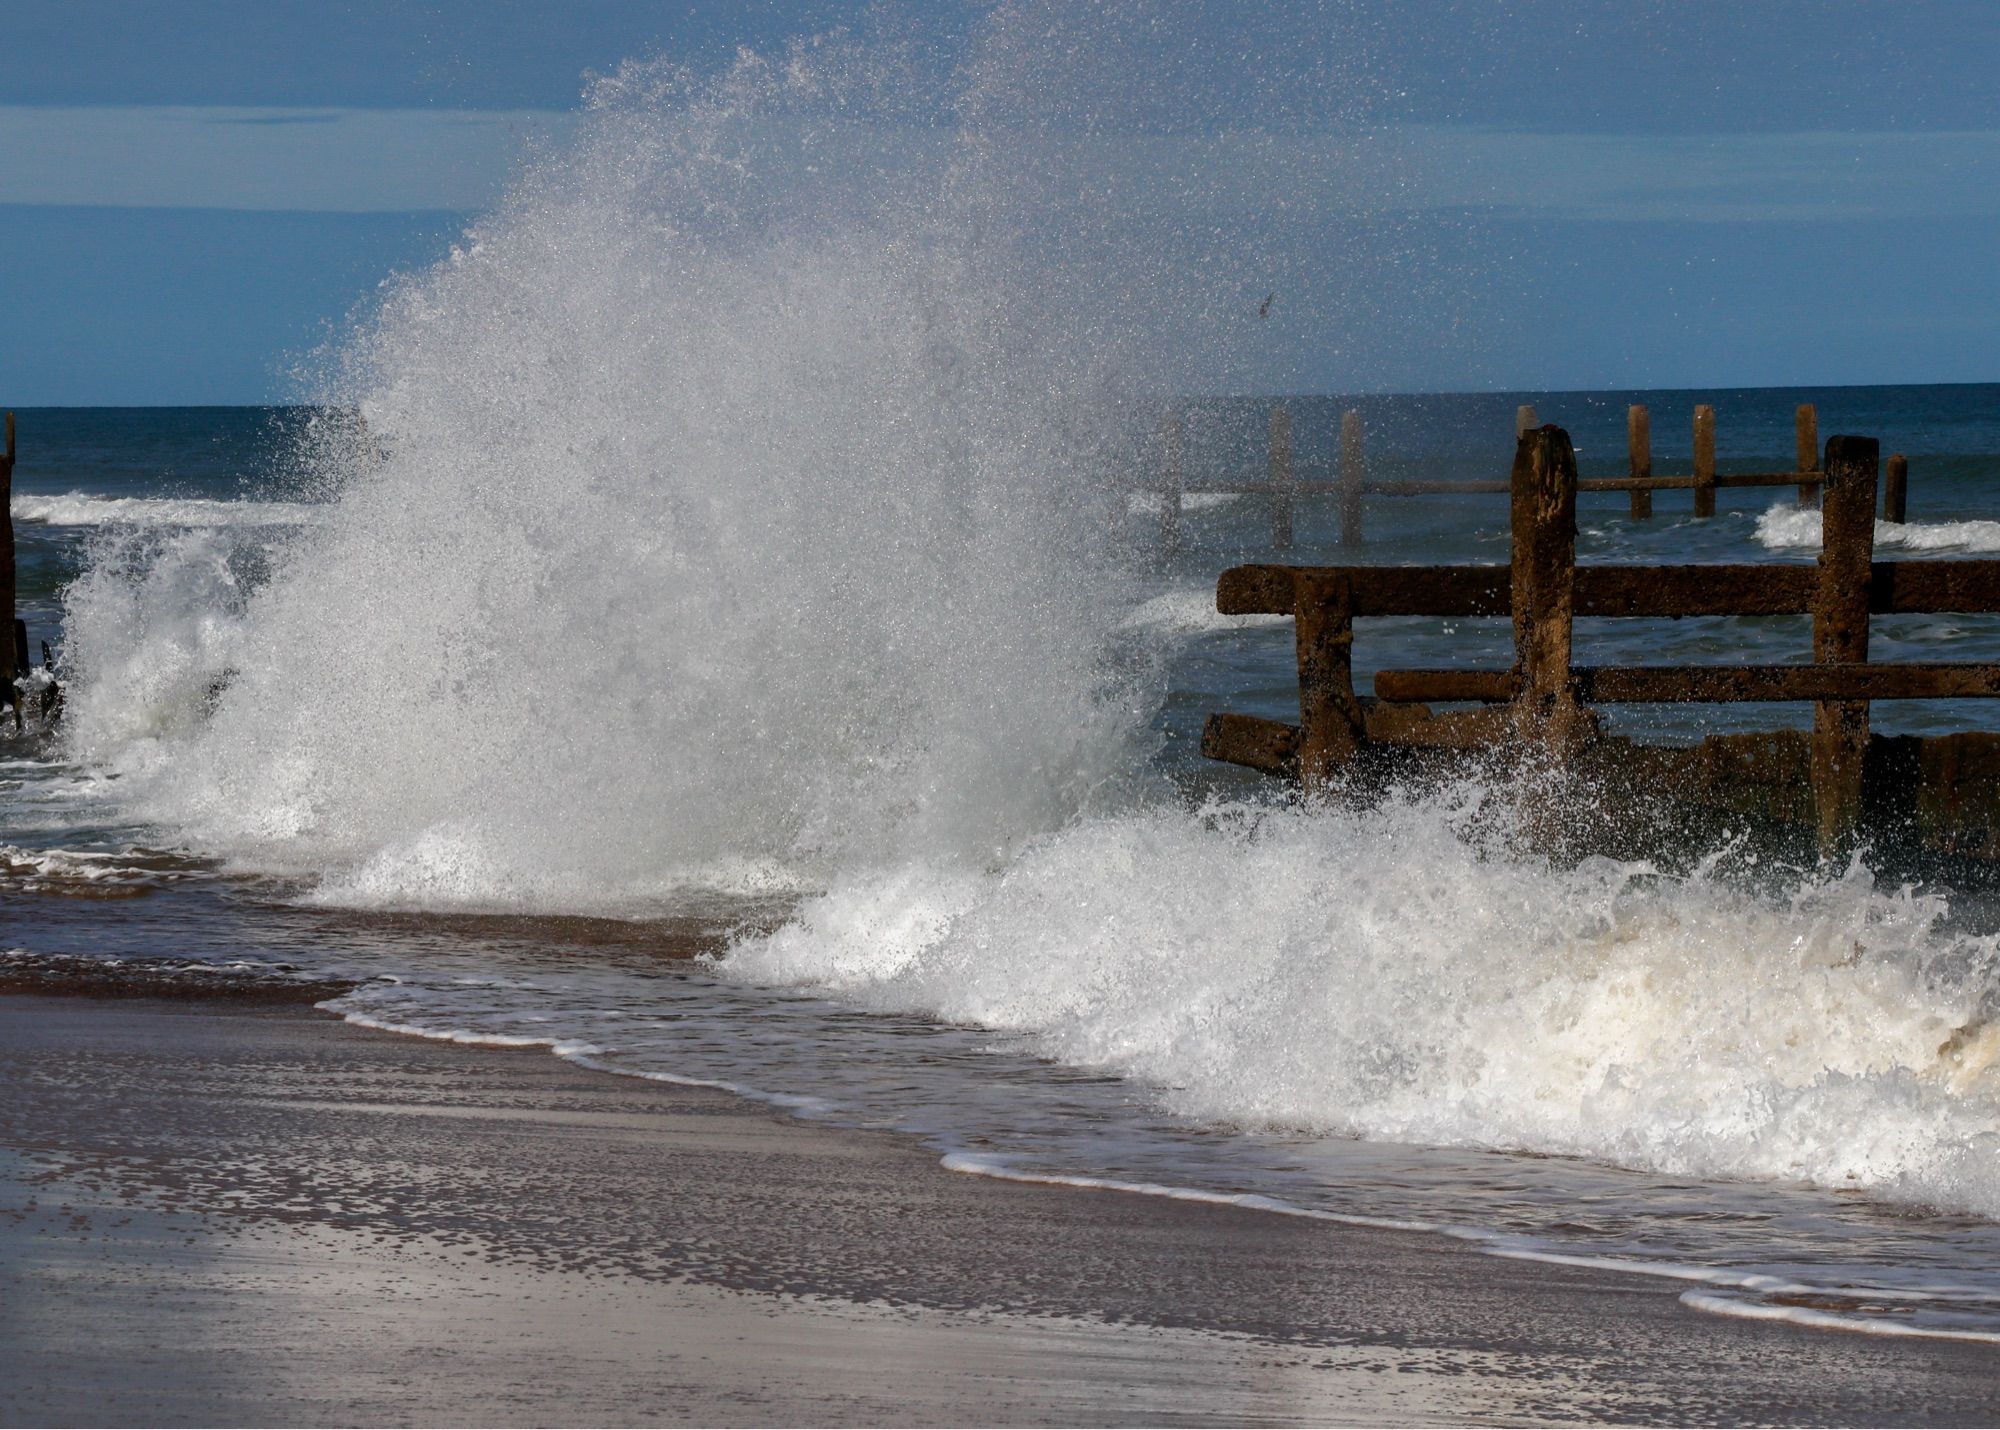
x: 196, y: 196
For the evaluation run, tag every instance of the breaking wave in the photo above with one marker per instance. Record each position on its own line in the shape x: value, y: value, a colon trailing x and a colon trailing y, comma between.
x: 1794, y: 528
x: 737, y: 512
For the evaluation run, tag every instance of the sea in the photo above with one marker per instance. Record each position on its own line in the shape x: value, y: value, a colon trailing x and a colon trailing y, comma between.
x: 712, y: 627
x: 1773, y: 1085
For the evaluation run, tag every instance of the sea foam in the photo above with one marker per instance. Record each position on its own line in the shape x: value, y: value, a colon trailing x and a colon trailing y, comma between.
x: 1388, y: 974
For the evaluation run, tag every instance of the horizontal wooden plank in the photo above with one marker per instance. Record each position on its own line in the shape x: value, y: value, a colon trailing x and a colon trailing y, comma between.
x: 1654, y: 684
x: 1267, y: 745
x: 1383, y: 486
x: 1895, y: 587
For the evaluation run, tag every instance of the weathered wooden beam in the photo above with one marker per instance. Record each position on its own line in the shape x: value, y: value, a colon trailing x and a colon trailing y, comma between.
x: 1675, y: 684
x: 1282, y: 482
x: 1719, y: 479
x: 8, y: 588
x: 1639, y: 459
x: 1542, y: 578
x: 1524, y: 420
x: 1172, y: 444
x: 1840, y: 633
x: 1330, y: 721
x: 1704, y: 460
x: 1252, y: 741
x: 1894, y: 588
x: 1353, y: 475
x: 1896, y: 489
x: 1805, y: 423
x: 1481, y: 486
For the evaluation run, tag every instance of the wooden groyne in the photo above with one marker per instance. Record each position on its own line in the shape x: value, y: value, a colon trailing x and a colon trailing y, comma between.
x: 1284, y: 482
x: 14, y: 663
x: 1837, y: 778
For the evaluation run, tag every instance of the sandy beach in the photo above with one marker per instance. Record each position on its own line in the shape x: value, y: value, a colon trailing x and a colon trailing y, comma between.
x: 253, y: 1213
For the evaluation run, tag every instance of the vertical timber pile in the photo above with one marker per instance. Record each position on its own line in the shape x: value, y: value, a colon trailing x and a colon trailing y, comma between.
x: 8, y: 694
x: 1282, y: 490
x: 1639, y: 453
x: 1806, y: 421
x: 1896, y: 489
x: 1352, y: 474
x: 1704, y: 460
x: 1330, y: 720
x: 1524, y: 421
x: 1543, y: 573
x: 1840, y: 633
x: 1171, y: 443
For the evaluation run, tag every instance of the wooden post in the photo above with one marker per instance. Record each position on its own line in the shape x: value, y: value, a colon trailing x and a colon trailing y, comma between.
x: 1896, y: 490
x: 1353, y: 472
x: 1639, y: 452
x: 1543, y: 583
x: 1840, y: 633
x: 1171, y: 443
x: 1330, y: 720
x: 8, y: 694
x: 1524, y: 420
x: 1281, y: 477
x: 1806, y: 420
x: 1704, y: 460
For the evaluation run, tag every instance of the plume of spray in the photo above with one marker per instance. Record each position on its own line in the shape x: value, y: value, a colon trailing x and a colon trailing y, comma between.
x: 730, y: 510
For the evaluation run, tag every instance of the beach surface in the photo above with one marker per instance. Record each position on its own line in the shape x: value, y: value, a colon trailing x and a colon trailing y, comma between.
x: 226, y: 1213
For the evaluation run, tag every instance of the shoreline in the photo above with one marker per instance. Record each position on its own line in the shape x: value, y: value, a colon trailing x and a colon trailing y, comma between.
x: 216, y: 1213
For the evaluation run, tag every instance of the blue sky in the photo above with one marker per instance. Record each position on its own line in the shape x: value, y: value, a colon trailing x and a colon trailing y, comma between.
x: 193, y: 195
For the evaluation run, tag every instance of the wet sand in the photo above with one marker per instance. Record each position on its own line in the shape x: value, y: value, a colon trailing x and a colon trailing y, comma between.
x: 248, y: 1213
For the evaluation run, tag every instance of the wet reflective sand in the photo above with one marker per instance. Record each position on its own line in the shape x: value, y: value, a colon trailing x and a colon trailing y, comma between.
x: 218, y: 1214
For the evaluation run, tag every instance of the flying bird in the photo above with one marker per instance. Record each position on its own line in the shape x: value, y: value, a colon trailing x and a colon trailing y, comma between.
x: 1264, y: 308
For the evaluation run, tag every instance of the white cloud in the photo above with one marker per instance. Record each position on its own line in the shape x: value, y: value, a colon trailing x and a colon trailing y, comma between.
x: 331, y: 160
x: 370, y: 160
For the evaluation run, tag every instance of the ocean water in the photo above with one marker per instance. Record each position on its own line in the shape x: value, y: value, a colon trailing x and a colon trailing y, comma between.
x: 783, y: 694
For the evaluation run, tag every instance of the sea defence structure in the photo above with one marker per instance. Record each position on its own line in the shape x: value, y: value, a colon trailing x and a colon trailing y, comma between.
x: 1284, y: 481
x: 1838, y: 778
x: 14, y: 663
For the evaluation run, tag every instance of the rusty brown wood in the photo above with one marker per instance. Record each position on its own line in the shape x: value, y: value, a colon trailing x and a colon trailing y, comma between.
x: 1840, y: 632
x: 1524, y: 420
x: 1704, y: 460
x: 1542, y: 579
x: 1330, y: 722
x: 1675, y: 684
x: 1282, y: 481
x: 8, y: 588
x: 1252, y: 741
x: 1805, y: 423
x: 1639, y: 459
x: 1172, y: 444
x: 1894, y: 588
x: 1494, y: 485
x: 1720, y: 479
x: 1353, y: 475
x: 1896, y: 489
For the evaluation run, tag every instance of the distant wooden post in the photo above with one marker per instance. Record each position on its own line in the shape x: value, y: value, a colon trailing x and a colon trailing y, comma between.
x: 1704, y: 460
x: 1171, y: 444
x: 1840, y: 632
x: 1330, y: 720
x: 8, y: 694
x: 1806, y: 420
x: 1639, y: 453
x: 1896, y: 490
x: 1543, y: 486
x: 1353, y: 472
x: 1282, y: 484
x: 1524, y: 420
